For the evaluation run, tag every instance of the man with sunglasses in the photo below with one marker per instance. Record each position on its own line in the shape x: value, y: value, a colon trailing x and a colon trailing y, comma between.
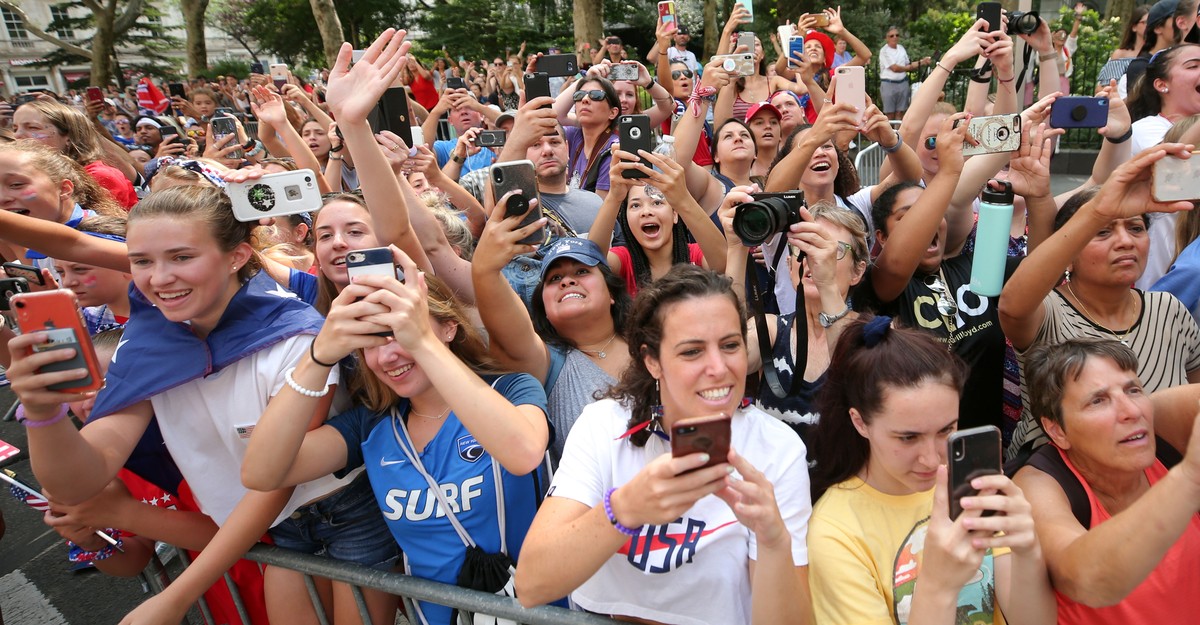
x: 894, y: 67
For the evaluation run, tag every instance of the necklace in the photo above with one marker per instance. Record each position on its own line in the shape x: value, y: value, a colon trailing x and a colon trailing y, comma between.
x: 435, y: 417
x: 600, y: 352
x: 1088, y: 314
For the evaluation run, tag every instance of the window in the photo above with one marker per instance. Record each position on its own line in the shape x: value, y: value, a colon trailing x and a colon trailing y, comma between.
x: 15, y: 27
x: 34, y: 82
x: 60, y: 14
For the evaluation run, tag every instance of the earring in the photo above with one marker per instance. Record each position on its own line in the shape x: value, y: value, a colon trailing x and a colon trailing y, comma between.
x: 1165, y: 90
x: 1068, y: 276
x: 656, y: 409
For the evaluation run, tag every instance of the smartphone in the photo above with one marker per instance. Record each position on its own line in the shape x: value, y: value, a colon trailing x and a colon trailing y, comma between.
x: 852, y: 88
x: 822, y: 20
x: 418, y: 135
x: 1079, y: 112
x: 490, y: 138
x: 279, y: 74
x: 176, y: 90
x: 356, y: 55
x: 256, y: 68
x: 455, y: 82
x: 749, y: 4
x: 666, y: 15
x: 995, y: 133
x: 635, y: 134
x: 971, y: 453
x: 739, y: 64
x: 558, y: 64
x: 990, y: 11
x: 708, y: 435
x: 391, y: 113
x: 275, y: 195
x: 24, y: 98
x: 29, y: 272
x: 223, y: 126
x: 57, y: 313
x: 1175, y: 179
x: 372, y: 261
x: 10, y: 287
x: 537, y: 85
x: 745, y: 40
x: 623, y: 71
x: 519, y: 176
x: 795, y: 47
x: 786, y: 31
x: 95, y: 94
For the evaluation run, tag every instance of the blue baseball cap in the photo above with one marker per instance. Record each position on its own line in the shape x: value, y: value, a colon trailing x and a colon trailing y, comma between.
x: 575, y: 248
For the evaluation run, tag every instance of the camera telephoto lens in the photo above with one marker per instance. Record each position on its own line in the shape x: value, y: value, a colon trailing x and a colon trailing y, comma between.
x: 1023, y: 23
x: 755, y: 222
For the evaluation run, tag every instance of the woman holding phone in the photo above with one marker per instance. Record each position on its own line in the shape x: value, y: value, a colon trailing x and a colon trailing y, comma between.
x: 619, y: 493
x: 882, y: 518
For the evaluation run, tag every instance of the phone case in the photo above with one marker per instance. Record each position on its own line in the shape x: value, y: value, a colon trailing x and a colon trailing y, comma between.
x: 795, y: 46
x: 990, y: 11
x: 29, y: 272
x: 279, y: 74
x: 176, y: 89
x: 1079, y: 112
x: 708, y: 434
x: 995, y: 133
x: 666, y: 13
x: 256, y: 67
x: 852, y: 88
x: 492, y: 138
x: 635, y: 134
x: 223, y: 127
x: 454, y: 82
x: 519, y: 176
x: 558, y: 64
x: 391, y: 113
x: 749, y: 4
x: 747, y: 40
x: 738, y: 64
x: 10, y: 287
x: 623, y: 71
x: 971, y: 453
x: 537, y: 85
x: 1176, y: 179
x: 275, y: 195
x: 95, y: 94
x: 372, y: 261
x: 57, y: 312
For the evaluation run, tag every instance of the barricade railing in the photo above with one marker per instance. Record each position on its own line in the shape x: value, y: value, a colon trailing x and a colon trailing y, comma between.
x: 407, y: 587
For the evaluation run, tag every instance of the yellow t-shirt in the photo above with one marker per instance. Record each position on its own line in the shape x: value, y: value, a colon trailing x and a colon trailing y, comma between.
x: 864, y: 550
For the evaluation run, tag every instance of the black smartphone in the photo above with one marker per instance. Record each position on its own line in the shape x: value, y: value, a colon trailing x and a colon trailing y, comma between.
x: 990, y: 11
x: 257, y: 68
x: 558, y: 64
x: 392, y: 114
x: 635, y: 134
x: 10, y: 287
x: 490, y: 138
x: 29, y: 272
x: 455, y: 82
x: 971, y: 453
x: 24, y: 98
x: 537, y: 85
x: 521, y: 177
x: 176, y: 90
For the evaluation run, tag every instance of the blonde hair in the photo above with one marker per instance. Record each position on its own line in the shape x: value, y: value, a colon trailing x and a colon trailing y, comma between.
x: 59, y: 167
x: 849, y: 220
x: 209, y: 206
x: 458, y: 234
x: 83, y: 142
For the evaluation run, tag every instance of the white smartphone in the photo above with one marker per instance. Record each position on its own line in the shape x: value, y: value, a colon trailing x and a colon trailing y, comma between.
x: 275, y: 195
x: 995, y: 133
x: 1176, y: 179
x: 852, y: 88
x: 279, y: 74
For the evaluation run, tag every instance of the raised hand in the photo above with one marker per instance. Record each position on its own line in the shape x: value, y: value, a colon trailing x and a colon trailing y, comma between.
x: 268, y: 106
x: 354, y: 91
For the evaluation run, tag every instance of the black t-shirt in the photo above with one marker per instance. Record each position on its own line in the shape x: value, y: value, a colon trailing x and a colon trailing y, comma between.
x: 977, y: 337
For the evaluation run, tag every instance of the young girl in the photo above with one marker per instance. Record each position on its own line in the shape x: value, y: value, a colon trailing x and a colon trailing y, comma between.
x: 427, y: 418
x: 208, y: 341
x: 103, y: 293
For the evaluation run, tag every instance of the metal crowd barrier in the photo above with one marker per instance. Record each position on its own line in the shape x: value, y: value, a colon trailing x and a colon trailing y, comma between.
x: 408, y: 588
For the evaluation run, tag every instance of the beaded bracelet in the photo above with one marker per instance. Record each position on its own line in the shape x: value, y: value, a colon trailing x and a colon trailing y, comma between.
x: 41, y: 423
x: 307, y: 392
x: 612, y: 518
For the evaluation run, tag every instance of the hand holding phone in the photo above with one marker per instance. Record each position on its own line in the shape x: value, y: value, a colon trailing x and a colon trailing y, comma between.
x: 709, y: 435
x: 57, y: 314
x: 520, y: 177
x: 971, y: 453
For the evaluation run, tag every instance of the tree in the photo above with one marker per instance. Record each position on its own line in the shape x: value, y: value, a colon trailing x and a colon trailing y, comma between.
x: 589, y: 21
x: 193, y: 21
x: 330, y: 27
x: 232, y: 17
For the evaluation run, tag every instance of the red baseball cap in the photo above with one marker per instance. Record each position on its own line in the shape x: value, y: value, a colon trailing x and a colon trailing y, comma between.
x: 826, y: 45
x: 755, y: 109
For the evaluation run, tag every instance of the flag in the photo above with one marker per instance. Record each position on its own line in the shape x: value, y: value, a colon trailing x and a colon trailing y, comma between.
x: 151, y: 97
x: 7, y: 451
x: 26, y: 494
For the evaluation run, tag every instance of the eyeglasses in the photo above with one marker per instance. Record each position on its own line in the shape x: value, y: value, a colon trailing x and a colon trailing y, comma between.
x: 676, y: 73
x: 497, y: 62
x: 843, y: 248
x: 893, y: 35
x: 930, y: 143
x: 945, y: 304
x: 595, y: 94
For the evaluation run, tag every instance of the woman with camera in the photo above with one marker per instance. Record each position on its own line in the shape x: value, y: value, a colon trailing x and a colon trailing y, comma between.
x: 883, y: 546
x: 646, y: 539
x: 656, y: 214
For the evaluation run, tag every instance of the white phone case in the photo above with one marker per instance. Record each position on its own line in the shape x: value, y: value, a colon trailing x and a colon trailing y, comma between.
x: 275, y: 195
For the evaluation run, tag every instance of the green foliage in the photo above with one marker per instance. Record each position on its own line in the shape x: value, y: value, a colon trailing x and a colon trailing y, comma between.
x: 228, y: 67
x: 148, y: 38
x: 285, y: 28
x: 480, y: 28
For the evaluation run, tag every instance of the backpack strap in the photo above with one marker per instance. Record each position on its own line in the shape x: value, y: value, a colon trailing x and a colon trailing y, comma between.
x: 1165, y: 453
x: 1047, y: 460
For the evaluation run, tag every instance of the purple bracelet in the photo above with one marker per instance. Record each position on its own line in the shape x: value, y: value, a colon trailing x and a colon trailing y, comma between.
x: 34, y: 423
x: 612, y: 518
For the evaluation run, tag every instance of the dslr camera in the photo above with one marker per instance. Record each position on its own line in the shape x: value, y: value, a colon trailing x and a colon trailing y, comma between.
x: 1023, y: 22
x: 769, y: 214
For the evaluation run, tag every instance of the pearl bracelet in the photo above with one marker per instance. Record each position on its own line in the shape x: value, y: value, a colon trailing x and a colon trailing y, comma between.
x: 307, y: 392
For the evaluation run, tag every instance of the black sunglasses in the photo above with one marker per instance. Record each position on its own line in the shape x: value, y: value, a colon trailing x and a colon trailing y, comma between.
x: 595, y: 94
x: 930, y: 143
x: 676, y: 73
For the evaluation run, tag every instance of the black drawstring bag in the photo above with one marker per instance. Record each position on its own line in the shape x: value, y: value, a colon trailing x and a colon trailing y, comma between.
x: 489, y: 572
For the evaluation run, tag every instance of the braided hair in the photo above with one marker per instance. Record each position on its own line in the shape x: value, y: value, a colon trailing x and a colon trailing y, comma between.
x: 641, y: 262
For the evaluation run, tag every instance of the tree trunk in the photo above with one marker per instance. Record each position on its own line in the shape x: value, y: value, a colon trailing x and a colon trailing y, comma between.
x: 712, y: 30
x: 102, y: 50
x: 330, y: 26
x: 1119, y: 8
x: 193, y: 21
x: 589, y: 23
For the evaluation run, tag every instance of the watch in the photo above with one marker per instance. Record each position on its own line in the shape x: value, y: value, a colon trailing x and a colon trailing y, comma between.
x: 828, y: 320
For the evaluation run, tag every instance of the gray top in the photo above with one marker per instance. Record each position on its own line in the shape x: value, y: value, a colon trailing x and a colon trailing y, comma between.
x: 573, y: 389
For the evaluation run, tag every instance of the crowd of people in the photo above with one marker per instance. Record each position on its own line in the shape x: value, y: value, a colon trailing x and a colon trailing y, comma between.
x: 501, y: 413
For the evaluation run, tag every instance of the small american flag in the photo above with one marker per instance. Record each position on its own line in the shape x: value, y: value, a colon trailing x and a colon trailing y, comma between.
x: 25, y: 493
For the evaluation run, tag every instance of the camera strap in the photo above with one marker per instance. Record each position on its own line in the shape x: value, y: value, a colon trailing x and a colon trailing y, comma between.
x: 766, y: 351
x: 1025, y: 57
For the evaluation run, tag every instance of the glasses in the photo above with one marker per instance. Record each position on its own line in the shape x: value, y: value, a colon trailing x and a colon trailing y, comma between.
x: 676, y: 73
x: 497, y: 62
x: 945, y: 304
x: 930, y: 143
x: 843, y: 248
x: 595, y: 94
x: 893, y: 35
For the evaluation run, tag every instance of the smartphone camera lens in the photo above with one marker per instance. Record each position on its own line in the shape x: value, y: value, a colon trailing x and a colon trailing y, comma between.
x: 308, y: 179
x: 354, y: 257
x: 19, y: 304
x: 498, y: 175
x: 959, y: 452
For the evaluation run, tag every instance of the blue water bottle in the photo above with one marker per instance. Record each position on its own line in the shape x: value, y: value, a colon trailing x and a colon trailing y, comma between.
x: 991, y: 239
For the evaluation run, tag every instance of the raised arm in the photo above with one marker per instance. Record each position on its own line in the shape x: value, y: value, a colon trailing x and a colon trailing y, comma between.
x: 268, y: 105
x: 832, y: 119
x: 668, y: 176
x: 63, y: 242
x: 601, y: 231
x: 700, y: 183
x: 862, y: 54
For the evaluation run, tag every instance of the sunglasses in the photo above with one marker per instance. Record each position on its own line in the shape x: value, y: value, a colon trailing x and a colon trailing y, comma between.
x: 930, y: 143
x: 676, y: 73
x: 595, y: 94
x: 893, y: 35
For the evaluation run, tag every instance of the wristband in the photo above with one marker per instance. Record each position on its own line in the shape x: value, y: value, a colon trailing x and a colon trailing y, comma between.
x: 1049, y: 56
x: 258, y: 147
x: 1121, y: 139
x: 708, y: 94
x: 939, y: 64
x: 249, y: 145
x: 896, y: 147
x: 336, y: 157
x: 337, y: 148
x: 312, y: 354
x: 979, y: 77
x: 34, y: 423
x: 1010, y: 79
x: 307, y: 392
x: 612, y: 518
x: 457, y: 159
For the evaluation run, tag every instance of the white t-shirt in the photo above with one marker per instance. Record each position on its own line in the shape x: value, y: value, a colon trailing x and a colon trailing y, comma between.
x: 705, y: 552
x: 206, y: 425
x: 1148, y: 132
x: 687, y: 56
x: 889, y: 56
